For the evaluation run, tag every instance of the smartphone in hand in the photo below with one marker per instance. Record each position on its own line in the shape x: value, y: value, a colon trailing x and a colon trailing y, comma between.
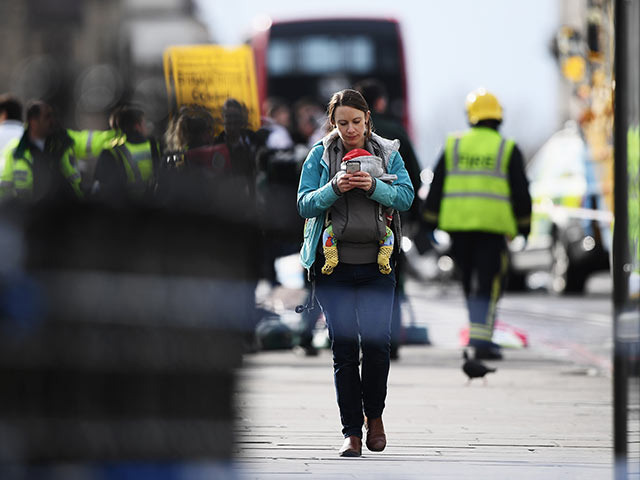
x: 353, y: 166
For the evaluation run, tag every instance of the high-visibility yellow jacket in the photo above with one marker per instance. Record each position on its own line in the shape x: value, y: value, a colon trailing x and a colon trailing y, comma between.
x: 89, y: 143
x: 137, y: 160
x: 476, y: 195
x: 16, y: 177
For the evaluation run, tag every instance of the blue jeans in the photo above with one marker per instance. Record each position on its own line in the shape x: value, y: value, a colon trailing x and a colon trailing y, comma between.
x: 357, y: 301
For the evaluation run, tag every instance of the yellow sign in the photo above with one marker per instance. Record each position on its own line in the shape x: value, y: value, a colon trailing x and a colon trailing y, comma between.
x: 210, y: 74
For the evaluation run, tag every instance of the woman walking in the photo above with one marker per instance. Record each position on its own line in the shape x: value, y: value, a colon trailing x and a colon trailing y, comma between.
x: 357, y: 297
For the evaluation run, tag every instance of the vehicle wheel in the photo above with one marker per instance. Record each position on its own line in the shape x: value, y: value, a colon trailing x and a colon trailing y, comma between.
x: 565, y: 277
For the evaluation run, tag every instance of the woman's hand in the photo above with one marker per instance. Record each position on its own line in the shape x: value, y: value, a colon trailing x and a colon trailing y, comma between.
x: 349, y: 181
x: 361, y: 180
x: 344, y: 185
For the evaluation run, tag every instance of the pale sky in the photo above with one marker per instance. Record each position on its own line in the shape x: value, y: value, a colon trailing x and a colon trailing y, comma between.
x: 451, y: 47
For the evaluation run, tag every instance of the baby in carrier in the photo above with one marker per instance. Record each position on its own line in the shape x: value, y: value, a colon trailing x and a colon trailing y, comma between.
x: 375, y: 167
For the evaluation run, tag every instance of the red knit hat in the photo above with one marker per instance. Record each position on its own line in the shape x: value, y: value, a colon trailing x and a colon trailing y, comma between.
x: 356, y: 152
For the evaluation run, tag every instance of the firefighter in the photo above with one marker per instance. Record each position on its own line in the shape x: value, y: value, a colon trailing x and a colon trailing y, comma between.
x: 42, y: 164
x: 480, y: 196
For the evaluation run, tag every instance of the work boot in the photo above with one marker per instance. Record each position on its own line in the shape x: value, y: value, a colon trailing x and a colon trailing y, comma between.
x: 352, y: 447
x: 488, y: 353
x: 376, y: 438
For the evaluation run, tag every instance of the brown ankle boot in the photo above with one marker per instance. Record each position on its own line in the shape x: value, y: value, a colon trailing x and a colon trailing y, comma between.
x: 352, y: 447
x: 376, y: 438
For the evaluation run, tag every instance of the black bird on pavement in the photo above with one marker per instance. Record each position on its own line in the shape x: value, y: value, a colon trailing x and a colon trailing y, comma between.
x: 474, y: 368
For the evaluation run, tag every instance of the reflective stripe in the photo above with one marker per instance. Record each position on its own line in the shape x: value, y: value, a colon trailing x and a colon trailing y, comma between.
x: 495, y: 174
x: 136, y: 157
x: 493, y: 196
x: 496, y: 291
x: 430, y: 216
x: 126, y: 156
x: 481, y: 328
x: 89, y: 150
x: 74, y: 176
x: 480, y: 332
x: 456, y: 157
x: 20, y: 175
x: 500, y: 155
x: 6, y: 183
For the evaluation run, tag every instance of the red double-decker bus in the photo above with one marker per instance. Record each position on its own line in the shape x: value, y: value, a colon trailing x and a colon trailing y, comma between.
x: 316, y: 57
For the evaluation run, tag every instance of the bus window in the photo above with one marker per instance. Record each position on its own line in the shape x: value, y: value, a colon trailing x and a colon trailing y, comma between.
x: 314, y: 58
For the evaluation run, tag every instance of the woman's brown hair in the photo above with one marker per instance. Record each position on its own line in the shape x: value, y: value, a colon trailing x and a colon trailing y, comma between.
x: 348, y: 98
x: 192, y: 127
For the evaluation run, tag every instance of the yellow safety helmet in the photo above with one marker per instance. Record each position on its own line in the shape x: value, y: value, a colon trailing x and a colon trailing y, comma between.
x: 482, y: 105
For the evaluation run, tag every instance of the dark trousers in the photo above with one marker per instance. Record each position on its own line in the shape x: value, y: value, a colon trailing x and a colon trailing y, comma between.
x: 396, y: 317
x: 482, y: 260
x: 357, y: 301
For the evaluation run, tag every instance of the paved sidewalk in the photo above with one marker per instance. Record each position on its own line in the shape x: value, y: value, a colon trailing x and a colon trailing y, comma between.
x: 537, y: 418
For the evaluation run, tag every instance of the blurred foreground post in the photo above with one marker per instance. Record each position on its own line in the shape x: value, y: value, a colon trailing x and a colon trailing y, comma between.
x: 122, y: 336
x: 626, y: 244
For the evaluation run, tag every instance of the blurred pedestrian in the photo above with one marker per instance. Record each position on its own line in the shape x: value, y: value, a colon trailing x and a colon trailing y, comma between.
x: 480, y: 196
x: 192, y: 127
x: 43, y: 163
x: 277, y: 183
x: 279, y: 165
x: 243, y: 144
x: 193, y: 170
x: 310, y: 124
x: 196, y: 172
x: 277, y: 124
x: 127, y: 167
x: 387, y: 126
x: 375, y: 93
x: 357, y: 298
x: 11, y: 125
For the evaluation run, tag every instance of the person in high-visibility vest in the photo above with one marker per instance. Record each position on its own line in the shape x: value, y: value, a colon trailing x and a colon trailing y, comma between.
x: 127, y: 166
x: 480, y: 196
x: 11, y: 124
x: 42, y: 164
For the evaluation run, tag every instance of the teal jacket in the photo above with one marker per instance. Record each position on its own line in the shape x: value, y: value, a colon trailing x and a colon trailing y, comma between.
x: 316, y: 195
